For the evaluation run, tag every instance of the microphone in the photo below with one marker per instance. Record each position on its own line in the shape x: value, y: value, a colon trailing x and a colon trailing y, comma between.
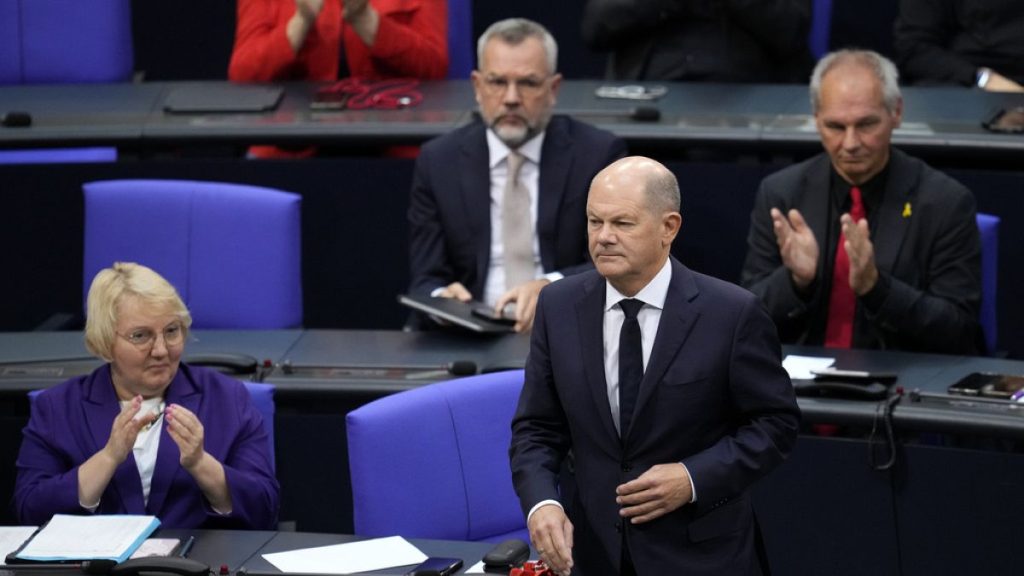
x: 341, y: 371
x: 637, y: 113
x: 462, y: 368
x: 15, y: 119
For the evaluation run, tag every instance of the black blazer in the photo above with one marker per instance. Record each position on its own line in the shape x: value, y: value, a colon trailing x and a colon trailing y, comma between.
x: 701, y: 40
x: 714, y: 396
x: 927, y: 250
x: 449, y: 207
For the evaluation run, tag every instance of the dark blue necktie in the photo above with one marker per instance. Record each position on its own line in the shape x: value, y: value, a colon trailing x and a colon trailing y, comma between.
x: 631, y: 362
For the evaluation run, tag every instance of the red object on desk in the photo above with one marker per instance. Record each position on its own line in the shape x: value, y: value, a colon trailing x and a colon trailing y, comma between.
x: 533, y: 568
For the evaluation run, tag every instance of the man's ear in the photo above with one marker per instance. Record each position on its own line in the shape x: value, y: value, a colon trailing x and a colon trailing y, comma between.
x: 671, y: 223
x: 477, y: 79
x: 898, y: 112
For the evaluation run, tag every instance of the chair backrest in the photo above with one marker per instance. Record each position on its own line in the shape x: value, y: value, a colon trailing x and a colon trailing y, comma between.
x: 433, y: 462
x: 821, y: 28
x: 65, y: 41
x: 10, y: 42
x: 461, y: 51
x: 232, y: 251
x: 262, y: 396
x: 58, y: 155
x: 988, y: 227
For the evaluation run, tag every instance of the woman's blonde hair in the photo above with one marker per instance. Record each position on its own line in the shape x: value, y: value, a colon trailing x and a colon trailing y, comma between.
x: 110, y: 287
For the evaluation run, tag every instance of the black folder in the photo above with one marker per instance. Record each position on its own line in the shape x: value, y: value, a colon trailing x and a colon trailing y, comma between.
x: 456, y: 312
x: 222, y: 98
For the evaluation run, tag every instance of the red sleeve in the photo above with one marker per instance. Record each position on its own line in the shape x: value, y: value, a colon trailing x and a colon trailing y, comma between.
x: 262, y: 52
x: 412, y: 40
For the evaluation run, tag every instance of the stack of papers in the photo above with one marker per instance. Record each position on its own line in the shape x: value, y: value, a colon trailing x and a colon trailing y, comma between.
x: 74, y: 538
x: 12, y: 537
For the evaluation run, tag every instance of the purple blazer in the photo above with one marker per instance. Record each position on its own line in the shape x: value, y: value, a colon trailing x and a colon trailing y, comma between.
x: 71, y: 422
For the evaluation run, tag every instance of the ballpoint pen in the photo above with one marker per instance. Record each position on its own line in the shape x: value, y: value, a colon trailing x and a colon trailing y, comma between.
x: 187, y: 547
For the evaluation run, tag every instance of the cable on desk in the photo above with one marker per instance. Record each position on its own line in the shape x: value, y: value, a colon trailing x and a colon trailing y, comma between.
x: 883, y: 412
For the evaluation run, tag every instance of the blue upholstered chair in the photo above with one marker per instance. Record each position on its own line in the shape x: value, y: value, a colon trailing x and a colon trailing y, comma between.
x: 988, y: 226
x: 232, y: 251
x: 58, y: 155
x: 821, y: 28
x: 262, y: 397
x: 433, y: 462
x: 65, y: 41
x: 461, y: 49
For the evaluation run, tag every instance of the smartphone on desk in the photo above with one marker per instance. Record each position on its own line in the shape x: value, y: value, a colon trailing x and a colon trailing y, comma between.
x: 436, y: 566
x: 328, y: 98
x: 988, y: 385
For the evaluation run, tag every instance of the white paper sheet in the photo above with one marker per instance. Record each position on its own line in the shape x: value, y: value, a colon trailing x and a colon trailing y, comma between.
x: 12, y: 537
x: 799, y: 367
x: 477, y: 568
x: 363, y: 556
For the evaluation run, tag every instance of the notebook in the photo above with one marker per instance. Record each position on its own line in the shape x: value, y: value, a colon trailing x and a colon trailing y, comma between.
x: 455, y: 312
x: 222, y: 98
x: 67, y: 538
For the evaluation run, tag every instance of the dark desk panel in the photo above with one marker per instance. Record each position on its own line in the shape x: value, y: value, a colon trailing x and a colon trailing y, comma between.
x: 445, y: 106
x: 700, y: 114
x: 80, y: 114
x: 374, y: 363
x: 934, y: 119
x: 826, y: 512
x: 736, y: 117
x: 216, y: 548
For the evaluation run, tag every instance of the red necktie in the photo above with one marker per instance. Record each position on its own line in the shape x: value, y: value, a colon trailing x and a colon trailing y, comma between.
x: 842, y: 302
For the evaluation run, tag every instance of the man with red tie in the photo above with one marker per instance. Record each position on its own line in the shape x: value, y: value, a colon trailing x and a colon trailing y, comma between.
x: 864, y: 246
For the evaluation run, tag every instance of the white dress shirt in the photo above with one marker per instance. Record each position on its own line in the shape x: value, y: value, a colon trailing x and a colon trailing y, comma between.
x: 653, y: 296
x: 529, y: 177
x: 147, y: 443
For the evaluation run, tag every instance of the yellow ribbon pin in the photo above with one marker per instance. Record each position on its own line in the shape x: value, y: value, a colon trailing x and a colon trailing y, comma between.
x: 906, y: 210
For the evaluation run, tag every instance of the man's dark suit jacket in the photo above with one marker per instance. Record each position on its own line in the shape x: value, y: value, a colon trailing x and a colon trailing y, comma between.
x: 714, y: 396
x: 450, y: 204
x: 721, y: 41
x: 928, y: 257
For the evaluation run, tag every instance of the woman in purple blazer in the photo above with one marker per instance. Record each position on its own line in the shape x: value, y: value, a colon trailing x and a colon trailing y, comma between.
x: 145, y: 434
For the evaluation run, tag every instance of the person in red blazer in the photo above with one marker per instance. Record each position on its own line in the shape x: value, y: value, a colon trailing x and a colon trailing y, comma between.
x: 302, y: 39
